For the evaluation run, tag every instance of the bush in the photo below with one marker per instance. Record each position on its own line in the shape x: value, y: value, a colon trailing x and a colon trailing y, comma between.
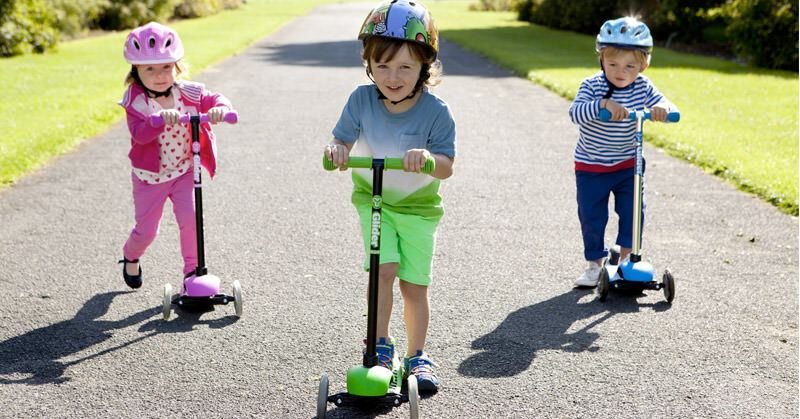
x: 199, y: 8
x: 26, y: 26
x: 492, y: 5
x: 125, y: 14
x: 76, y: 16
x: 764, y: 32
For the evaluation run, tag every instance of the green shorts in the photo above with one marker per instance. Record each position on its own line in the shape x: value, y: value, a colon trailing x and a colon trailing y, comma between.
x: 406, y: 239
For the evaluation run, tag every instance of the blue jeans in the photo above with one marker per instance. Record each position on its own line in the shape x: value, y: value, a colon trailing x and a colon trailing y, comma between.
x: 594, y: 190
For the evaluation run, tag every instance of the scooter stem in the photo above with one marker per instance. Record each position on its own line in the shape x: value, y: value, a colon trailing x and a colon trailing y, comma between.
x: 198, y: 197
x: 637, y: 197
x: 371, y: 356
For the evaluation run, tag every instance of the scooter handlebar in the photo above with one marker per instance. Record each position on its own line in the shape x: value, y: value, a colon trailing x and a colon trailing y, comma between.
x: 231, y: 117
x: 395, y: 163
x: 605, y: 115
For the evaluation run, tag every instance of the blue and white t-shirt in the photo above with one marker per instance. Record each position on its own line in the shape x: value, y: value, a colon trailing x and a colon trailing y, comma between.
x: 609, y: 146
x: 378, y: 133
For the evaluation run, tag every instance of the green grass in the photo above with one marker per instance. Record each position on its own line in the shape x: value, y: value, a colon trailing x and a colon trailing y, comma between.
x: 739, y: 123
x: 53, y: 102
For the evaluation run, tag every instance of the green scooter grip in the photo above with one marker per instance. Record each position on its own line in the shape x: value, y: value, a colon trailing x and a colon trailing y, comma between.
x: 389, y: 163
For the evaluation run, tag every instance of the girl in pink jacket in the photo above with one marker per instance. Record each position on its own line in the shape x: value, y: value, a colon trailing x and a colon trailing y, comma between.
x: 161, y: 157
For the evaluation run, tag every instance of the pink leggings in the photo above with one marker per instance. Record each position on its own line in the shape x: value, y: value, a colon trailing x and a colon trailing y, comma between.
x: 148, y: 202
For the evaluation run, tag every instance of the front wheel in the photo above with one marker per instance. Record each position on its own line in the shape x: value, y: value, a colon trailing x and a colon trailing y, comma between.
x: 602, y: 286
x: 237, y: 298
x: 413, y: 396
x: 669, y: 286
x: 167, y: 309
x: 322, y: 397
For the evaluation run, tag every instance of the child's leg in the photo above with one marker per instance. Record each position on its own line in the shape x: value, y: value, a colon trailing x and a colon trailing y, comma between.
x: 388, y: 272
x: 416, y: 311
x: 182, y: 196
x: 148, y: 203
x: 593, y: 191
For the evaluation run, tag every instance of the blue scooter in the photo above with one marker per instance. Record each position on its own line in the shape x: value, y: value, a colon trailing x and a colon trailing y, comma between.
x: 634, y: 274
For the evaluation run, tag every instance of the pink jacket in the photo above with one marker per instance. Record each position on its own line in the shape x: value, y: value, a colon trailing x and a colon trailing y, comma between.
x: 144, y: 138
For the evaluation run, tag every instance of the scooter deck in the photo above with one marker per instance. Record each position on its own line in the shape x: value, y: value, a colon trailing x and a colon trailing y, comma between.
x: 389, y: 399
x: 199, y: 302
x: 617, y: 283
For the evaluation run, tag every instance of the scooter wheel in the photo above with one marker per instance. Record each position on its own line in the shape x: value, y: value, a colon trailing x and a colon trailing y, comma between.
x: 413, y: 396
x: 237, y: 298
x: 602, y: 286
x: 167, y: 309
x: 669, y: 286
x: 322, y: 397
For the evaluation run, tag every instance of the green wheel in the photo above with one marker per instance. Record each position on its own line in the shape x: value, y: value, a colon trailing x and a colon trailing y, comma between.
x: 413, y: 396
x: 322, y: 397
x: 602, y: 286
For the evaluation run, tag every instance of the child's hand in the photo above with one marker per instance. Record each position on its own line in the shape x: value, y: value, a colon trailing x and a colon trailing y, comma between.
x: 338, y: 154
x: 217, y: 114
x: 170, y: 116
x: 618, y: 112
x: 414, y: 159
x: 657, y: 113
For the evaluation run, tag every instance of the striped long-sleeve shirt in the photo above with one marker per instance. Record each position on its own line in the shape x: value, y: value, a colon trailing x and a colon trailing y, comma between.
x: 609, y: 146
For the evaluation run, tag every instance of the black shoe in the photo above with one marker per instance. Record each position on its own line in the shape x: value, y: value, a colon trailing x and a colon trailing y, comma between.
x: 133, y: 281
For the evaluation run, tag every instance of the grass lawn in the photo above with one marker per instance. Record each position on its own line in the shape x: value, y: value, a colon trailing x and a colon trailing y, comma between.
x: 52, y: 102
x: 736, y: 122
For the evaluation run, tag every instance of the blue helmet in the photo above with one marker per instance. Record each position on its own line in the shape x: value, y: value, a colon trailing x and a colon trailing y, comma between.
x: 625, y: 33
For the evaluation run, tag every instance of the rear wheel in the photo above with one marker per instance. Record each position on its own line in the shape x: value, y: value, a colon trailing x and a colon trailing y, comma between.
x: 669, y: 286
x: 167, y: 301
x: 413, y: 396
x: 322, y: 397
x: 602, y: 286
x: 237, y: 298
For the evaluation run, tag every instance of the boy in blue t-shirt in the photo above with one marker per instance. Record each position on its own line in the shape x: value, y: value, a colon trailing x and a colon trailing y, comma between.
x: 398, y: 117
x: 604, y: 155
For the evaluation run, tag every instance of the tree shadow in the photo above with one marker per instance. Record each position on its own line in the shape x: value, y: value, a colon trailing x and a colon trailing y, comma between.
x: 348, y: 54
x: 511, y: 347
x: 36, y: 354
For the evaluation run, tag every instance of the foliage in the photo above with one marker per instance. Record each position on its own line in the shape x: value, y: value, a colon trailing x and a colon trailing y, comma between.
x: 124, y: 14
x: 492, y: 5
x: 26, y: 26
x: 200, y: 8
x: 764, y: 32
x: 75, y: 16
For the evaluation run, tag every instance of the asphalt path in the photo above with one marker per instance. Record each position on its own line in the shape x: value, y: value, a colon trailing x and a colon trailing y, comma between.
x: 511, y: 335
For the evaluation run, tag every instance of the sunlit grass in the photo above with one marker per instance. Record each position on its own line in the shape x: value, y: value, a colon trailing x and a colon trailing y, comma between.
x: 52, y: 102
x: 737, y: 122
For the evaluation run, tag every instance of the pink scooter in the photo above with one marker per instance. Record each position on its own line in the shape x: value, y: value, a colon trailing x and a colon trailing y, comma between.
x: 200, y: 290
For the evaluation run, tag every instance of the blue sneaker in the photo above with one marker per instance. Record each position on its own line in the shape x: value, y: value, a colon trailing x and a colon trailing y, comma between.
x: 385, y: 352
x: 422, y: 366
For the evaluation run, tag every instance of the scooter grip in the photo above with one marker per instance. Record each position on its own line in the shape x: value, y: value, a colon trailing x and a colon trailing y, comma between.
x: 605, y: 116
x: 231, y: 117
x: 389, y: 163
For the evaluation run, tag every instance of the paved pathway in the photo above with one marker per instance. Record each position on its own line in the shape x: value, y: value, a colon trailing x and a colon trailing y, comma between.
x: 512, y: 337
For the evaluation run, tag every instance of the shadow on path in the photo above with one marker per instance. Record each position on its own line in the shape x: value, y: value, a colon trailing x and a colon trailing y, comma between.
x: 511, y: 347
x: 36, y: 354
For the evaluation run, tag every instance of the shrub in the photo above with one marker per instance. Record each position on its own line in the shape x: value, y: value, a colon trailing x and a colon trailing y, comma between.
x: 125, y: 14
x: 75, y: 16
x: 764, y: 32
x: 492, y: 5
x: 200, y: 8
x: 26, y: 26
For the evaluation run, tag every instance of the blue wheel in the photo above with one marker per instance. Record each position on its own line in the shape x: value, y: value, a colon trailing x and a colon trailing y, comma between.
x: 602, y: 286
x: 669, y: 286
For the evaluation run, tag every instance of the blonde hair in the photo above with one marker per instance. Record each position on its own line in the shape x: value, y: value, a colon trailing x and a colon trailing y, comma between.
x: 180, y: 68
x: 642, y: 57
x: 382, y: 48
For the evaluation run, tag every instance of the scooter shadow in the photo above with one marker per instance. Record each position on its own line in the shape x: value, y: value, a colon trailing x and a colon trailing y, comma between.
x: 511, y: 348
x: 187, y: 320
x: 34, y: 358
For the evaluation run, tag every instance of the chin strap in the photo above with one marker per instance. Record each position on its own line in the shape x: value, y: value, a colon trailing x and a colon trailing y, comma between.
x: 150, y: 93
x: 394, y: 102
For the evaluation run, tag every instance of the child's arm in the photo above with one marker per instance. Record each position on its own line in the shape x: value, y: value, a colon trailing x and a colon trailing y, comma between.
x: 338, y: 152
x: 414, y: 160
x: 141, y: 130
x: 586, y: 106
x: 215, y: 105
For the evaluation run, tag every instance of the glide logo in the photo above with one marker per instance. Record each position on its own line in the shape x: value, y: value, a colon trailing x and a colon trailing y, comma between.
x: 376, y: 230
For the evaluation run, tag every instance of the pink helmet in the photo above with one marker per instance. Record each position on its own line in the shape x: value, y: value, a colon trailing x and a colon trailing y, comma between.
x: 153, y: 43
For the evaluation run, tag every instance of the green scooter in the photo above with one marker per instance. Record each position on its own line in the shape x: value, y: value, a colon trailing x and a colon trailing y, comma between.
x: 370, y: 383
